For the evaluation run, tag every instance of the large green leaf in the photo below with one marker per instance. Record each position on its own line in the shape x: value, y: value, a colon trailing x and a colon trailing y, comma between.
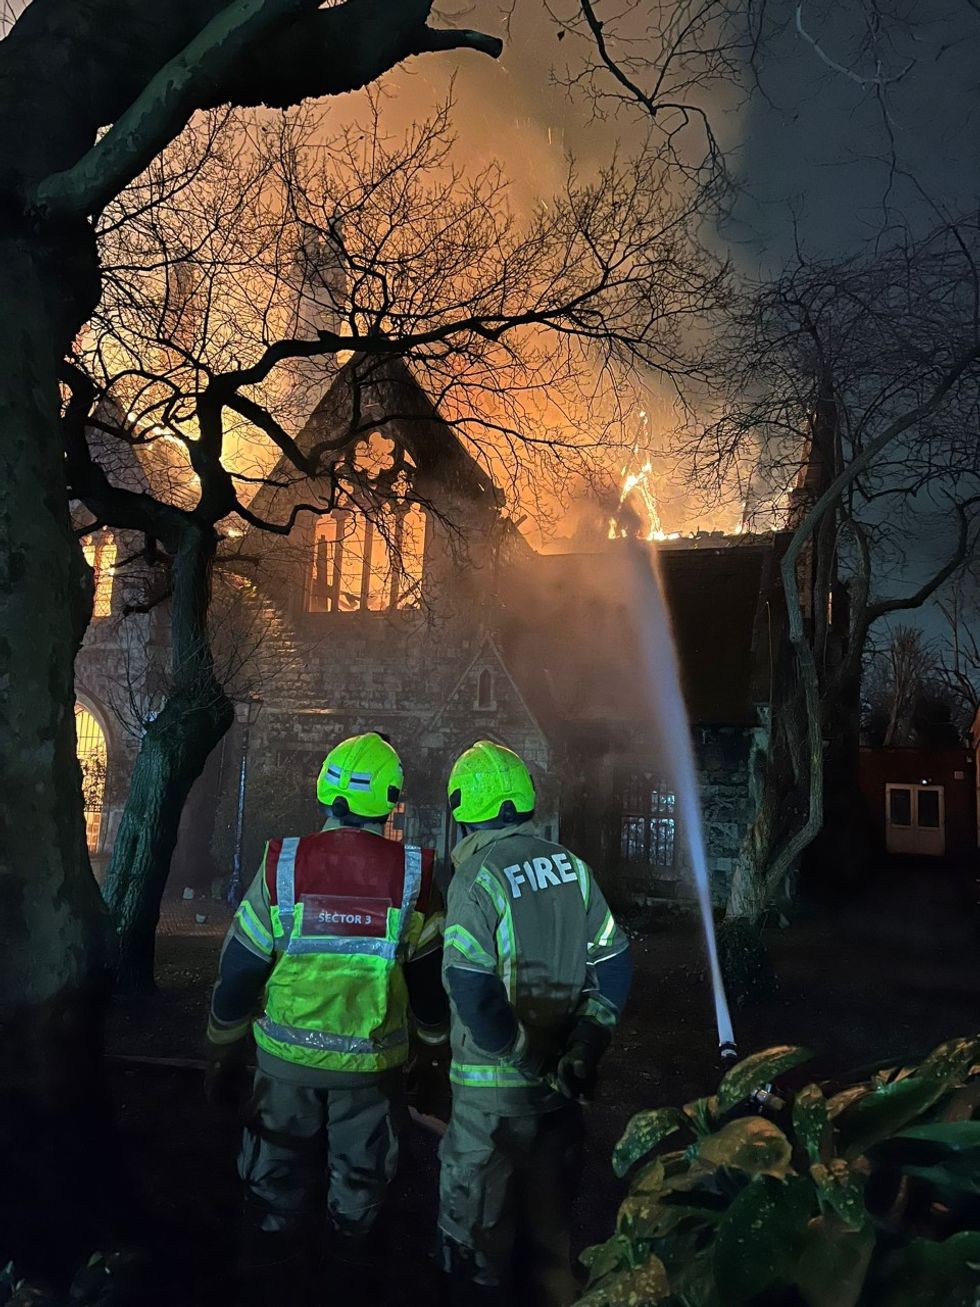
x: 952, y: 1180
x: 603, y: 1259
x: 643, y: 1133
x: 649, y: 1179
x: 840, y: 1190
x: 757, y: 1070
x: 702, y: 1114
x: 833, y: 1262
x: 950, y: 1062
x: 949, y: 1134
x: 884, y: 1111
x: 963, y: 1103
x: 644, y: 1217
x: 932, y: 1274
x: 760, y: 1237
x: 751, y: 1144
x: 942, y: 1154
x: 693, y: 1283
x: 641, y: 1287
x: 812, y: 1124
x: 842, y: 1101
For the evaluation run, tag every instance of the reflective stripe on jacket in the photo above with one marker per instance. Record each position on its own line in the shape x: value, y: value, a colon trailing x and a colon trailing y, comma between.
x: 346, y: 912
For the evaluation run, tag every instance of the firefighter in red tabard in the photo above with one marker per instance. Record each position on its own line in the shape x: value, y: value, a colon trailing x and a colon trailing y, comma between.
x: 333, y: 938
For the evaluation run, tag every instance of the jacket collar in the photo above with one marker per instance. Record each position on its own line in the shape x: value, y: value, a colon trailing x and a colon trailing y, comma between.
x: 479, y: 840
x: 334, y: 823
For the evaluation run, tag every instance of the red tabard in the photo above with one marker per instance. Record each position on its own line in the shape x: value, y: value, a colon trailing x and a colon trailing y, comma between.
x: 349, y: 878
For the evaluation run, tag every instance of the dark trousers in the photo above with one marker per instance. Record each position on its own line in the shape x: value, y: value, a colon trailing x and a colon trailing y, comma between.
x: 301, y: 1141
x: 506, y: 1190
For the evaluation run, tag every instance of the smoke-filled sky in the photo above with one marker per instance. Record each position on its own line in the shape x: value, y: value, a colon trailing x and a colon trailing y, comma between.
x: 831, y: 146
x: 813, y: 143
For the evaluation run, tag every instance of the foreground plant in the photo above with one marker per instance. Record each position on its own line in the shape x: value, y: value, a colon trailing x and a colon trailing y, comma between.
x: 869, y: 1196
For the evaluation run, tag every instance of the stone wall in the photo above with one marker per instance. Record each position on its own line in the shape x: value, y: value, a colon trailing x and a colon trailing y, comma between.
x: 721, y: 758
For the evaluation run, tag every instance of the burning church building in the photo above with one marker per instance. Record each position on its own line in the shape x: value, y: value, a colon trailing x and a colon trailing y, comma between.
x: 430, y: 617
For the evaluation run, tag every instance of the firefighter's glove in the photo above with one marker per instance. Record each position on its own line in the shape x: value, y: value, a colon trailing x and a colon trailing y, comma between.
x: 226, y: 1078
x: 578, y: 1066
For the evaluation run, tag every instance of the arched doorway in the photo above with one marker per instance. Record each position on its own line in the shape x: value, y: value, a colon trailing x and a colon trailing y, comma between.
x: 93, y: 757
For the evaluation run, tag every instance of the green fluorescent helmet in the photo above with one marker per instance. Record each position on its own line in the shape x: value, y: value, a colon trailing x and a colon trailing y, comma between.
x: 484, y: 778
x: 366, y: 772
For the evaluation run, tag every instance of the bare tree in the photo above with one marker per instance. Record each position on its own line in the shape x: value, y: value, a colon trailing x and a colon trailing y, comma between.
x: 852, y: 389
x: 679, y: 68
x: 517, y: 330
x: 91, y: 94
x: 898, y: 679
x: 910, y: 664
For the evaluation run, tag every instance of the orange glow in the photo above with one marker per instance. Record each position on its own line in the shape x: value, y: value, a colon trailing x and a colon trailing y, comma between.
x: 93, y: 757
x: 365, y: 565
x: 100, y: 554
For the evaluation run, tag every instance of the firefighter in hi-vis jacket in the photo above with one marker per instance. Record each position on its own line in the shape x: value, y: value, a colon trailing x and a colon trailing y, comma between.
x: 537, y: 972
x: 325, y: 951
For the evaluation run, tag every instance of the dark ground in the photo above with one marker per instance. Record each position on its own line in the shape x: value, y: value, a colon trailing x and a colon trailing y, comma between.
x: 893, y: 976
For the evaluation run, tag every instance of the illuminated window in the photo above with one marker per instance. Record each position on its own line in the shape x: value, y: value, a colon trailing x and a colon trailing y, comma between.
x: 368, y: 564
x: 93, y: 757
x: 647, y: 824
x: 368, y: 555
x: 100, y: 554
x: 395, y: 825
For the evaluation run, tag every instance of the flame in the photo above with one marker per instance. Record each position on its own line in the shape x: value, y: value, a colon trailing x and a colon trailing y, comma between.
x: 640, y: 485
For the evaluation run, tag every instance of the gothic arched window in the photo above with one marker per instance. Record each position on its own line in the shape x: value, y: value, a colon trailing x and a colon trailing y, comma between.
x: 368, y: 554
x: 93, y: 758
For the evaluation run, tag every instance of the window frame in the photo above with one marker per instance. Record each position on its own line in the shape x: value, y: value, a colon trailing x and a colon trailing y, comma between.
x: 653, y: 821
x: 369, y: 540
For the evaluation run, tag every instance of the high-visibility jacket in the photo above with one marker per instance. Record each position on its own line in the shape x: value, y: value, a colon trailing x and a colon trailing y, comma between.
x: 346, y: 911
x: 530, y: 912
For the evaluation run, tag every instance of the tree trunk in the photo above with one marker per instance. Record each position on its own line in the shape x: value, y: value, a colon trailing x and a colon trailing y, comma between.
x: 742, y: 951
x: 54, y: 944
x: 173, y: 752
x: 836, y: 862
